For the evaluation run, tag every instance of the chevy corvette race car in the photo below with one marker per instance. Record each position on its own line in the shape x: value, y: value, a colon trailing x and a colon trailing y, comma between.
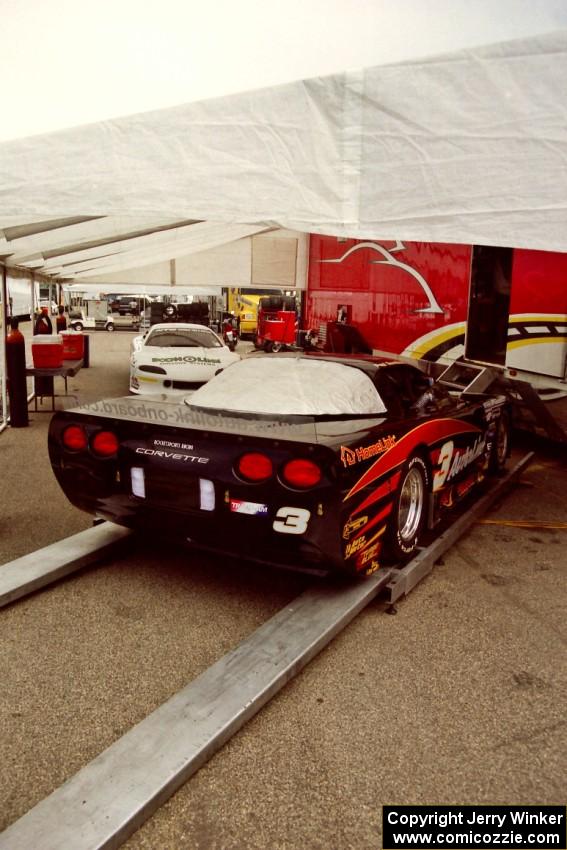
x: 307, y: 461
x: 177, y: 356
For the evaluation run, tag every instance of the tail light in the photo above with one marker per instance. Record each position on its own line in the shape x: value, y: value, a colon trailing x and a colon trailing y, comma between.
x: 255, y: 467
x: 301, y: 474
x: 74, y: 438
x: 104, y: 444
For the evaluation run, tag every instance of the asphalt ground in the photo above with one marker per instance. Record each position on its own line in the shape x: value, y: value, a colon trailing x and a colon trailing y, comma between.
x: 459, y: 697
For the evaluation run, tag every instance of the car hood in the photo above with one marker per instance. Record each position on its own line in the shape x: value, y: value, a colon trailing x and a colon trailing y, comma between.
x: 154, y: 356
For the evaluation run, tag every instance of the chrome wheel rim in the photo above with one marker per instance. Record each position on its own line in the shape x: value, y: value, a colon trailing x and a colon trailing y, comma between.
x: 411, y: 505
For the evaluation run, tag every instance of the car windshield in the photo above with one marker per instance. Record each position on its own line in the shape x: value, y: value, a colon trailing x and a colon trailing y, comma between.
x: 183, y: 338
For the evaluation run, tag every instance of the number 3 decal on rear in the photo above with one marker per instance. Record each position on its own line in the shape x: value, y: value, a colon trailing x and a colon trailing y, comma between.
x: 291, y: 521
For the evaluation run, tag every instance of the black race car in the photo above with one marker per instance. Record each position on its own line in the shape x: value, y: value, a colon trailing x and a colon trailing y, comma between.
x: 307, y: 461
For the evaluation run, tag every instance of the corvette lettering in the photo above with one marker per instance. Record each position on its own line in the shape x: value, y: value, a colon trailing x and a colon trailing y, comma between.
x: 172, y: 455
x: 186, y: 358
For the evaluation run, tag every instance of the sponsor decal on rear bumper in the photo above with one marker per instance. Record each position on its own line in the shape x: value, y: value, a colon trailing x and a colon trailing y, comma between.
x: 238, y: 506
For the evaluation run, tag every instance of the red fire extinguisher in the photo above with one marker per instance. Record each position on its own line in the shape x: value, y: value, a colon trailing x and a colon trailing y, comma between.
x: 16, y: 372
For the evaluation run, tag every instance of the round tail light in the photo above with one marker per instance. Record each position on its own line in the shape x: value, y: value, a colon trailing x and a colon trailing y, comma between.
x: 255, y: 467
x: 301, y: 474
x: 75, y: 438
x: 104, y: 444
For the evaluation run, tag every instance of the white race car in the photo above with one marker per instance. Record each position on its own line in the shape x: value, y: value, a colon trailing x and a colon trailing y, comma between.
x: 177, y: 356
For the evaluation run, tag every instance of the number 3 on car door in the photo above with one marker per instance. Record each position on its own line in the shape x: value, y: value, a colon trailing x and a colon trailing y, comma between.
x: 291, y: 521
x: 444, y: 462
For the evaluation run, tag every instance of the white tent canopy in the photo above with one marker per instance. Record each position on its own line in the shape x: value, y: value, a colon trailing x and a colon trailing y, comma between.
x: 468, y: 147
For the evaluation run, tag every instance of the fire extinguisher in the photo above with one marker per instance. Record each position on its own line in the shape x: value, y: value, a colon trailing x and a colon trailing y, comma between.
x: 16, y: 372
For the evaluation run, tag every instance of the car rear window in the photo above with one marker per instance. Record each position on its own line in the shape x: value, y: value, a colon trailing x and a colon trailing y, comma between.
x: 183, y: 338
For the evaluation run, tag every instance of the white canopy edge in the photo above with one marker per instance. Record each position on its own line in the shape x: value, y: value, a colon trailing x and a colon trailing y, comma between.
x: 99, y: 290
x: 467, y: 147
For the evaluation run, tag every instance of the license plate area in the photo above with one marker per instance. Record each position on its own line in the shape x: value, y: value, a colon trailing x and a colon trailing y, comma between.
x: 172, y: 490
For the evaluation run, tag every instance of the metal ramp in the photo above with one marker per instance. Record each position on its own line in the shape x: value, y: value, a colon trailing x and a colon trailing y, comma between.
x: 529, y: 411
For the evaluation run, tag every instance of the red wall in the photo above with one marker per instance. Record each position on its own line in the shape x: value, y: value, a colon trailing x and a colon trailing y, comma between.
x: 384, y: 288
x: 539, y: 282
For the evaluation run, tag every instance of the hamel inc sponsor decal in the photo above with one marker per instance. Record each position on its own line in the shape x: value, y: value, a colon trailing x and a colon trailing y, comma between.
x: 351, y: 456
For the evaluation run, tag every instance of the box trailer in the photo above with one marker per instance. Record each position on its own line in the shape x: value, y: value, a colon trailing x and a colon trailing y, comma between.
x: 438, y: 302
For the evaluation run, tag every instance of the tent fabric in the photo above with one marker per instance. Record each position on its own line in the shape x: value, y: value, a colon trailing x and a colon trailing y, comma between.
x: 468, y: 147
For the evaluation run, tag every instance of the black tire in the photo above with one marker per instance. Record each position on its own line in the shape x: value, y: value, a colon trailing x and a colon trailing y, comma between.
x: 410, y: 510
x: 277, y: 346
x: 77, y: 326
x: 500, y: 445
x: 268, y: 346
x: 110, y: 327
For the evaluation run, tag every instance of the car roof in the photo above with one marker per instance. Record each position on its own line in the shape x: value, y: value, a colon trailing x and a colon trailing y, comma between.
x: 187, y: 326
x: 370, y: 364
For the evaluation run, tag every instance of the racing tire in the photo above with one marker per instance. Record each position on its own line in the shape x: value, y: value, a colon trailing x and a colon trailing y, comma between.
x: 409, y: 511
x: 501, y: 445
x: 169, y: 312
x: 77, y: 326
x: 110, y: 327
